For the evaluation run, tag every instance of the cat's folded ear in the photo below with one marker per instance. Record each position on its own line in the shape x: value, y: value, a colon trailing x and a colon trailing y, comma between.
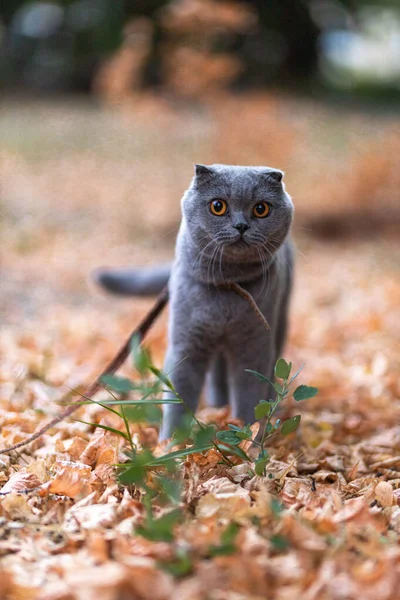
x: 274, y: 175
x: 202, y: 173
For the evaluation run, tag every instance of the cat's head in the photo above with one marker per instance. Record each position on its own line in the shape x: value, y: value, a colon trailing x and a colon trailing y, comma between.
x: 243, y: 210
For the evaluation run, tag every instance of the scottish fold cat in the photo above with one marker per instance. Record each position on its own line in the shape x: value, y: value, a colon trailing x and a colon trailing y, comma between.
x: 235, y: 229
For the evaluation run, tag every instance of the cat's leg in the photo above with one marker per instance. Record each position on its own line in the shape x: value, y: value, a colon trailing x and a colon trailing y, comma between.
x: 186, y: 368
x: 217, y: 390
x: 246, y: 389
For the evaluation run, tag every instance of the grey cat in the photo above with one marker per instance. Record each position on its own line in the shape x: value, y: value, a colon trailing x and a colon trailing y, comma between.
x: 235, y: 227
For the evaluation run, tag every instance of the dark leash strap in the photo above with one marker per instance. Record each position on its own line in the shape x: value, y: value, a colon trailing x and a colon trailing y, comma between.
x: 139, y: 332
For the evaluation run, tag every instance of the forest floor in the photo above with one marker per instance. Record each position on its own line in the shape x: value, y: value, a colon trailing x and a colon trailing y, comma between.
x: 85, y: 186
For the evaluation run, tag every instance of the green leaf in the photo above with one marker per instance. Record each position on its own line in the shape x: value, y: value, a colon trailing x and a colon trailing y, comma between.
x: 180, y: 566
x: 233, y: 450
x: 262, y: 409
x: 106, y: 403
x: 134, y: 474
x: 303, y: 392
x: 234, y: 427
x: 230, y: 533
x: 204, y: 436
x: 110, y: 429
x: 162, y: 377
x: 280, y: 542
x: 170, y: 487
x: 293, y: 377
x: 178, y: 454
x: 276, y: 506
x: 161, y: 529
x: 227, y: 545
x: 184, y: 432
x: 260, y: 376
x: 118, y: 384
x: 290, y: 425
x: 269, y: 427
x: 135, y: 471
x: 279, y: 388
x: 240, y: 453
x: 228, y: 437
x: 143, y: 413
x: 112, y: 410
x: 260, y: 464
x: 282, y: 369
x: 141, y: 356
x: 244, y: 433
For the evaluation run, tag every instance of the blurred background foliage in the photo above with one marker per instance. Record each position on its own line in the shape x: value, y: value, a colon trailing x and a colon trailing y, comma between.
x: 189, y: 48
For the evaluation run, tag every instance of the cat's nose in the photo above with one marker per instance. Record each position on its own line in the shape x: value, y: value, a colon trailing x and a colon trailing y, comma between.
x: 241, y: 227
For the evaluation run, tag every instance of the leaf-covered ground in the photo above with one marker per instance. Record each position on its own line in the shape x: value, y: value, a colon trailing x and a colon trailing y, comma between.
x: 83, y: 187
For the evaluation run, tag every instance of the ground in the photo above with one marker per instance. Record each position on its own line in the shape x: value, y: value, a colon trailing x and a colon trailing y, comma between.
x: 86, y: 185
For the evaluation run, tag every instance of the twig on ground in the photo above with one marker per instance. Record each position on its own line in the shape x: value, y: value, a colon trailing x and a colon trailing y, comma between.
x: 140, y: 331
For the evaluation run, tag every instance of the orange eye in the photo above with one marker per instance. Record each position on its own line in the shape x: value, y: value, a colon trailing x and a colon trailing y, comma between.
x: 261, y: 210
x: 218, y: 207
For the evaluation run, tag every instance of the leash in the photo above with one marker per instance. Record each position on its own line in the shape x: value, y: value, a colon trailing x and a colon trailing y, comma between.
x: 247, y: 296
x: 139, y: 332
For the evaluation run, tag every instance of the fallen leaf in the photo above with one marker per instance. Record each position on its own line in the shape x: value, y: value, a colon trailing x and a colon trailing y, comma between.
x: 223, y: 506
x: 69, y: 482
x: 21, y: 481
x: 93, y: 516
x: 384, y: 493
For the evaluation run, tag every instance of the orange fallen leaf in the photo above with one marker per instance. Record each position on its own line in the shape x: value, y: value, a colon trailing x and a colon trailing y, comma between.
x: 69, y: 482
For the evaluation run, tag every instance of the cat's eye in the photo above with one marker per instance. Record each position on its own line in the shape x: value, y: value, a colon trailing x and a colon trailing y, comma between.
x: 218, y: 207
x: 261, y: 210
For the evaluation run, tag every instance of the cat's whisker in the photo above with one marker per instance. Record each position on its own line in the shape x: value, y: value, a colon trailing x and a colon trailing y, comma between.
x: 163, y: 235
x: 208, y: 267
x: 221, y: 252
x: 204, y: 339
x: 294, y: 247
x: 269, y: 259
x: 264, y: 269
x: 270, y: 254
x: 286, y: 261
x: 268, y: 263
x: 220, y: 262
x: 200, y: 255
x: 215, y: 255
x: 212, y: 264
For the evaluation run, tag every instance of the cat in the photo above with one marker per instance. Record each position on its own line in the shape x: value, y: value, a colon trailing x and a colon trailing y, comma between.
x: 235, y: 228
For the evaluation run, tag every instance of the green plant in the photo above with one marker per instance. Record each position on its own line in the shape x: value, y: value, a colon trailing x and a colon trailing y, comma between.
x: 265, y: 411
x: 158, y: 477
x: 227, y: 545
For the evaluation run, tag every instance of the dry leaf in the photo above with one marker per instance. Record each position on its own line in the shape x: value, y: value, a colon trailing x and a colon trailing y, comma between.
x: 93, y: 516
x: 21, y: 482
x: 330, y: 528
x: 69, y: 482
x: 223, y: 506
x: 16, y: 507
x: 384, y: 493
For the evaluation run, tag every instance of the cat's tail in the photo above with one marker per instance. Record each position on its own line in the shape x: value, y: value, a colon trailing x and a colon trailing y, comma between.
x: 147, y: 281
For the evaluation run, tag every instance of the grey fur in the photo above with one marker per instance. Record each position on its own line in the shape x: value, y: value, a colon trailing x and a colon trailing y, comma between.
x: 148, y: 281
x: 214, y: 335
